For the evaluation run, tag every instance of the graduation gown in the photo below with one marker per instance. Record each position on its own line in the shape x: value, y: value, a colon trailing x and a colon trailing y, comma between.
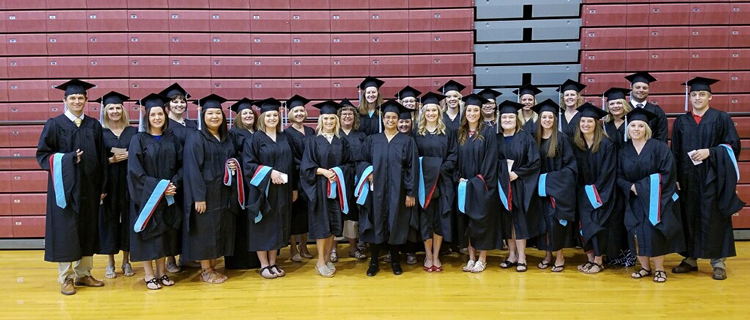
x: 242, y: 258
x: 180, y: 131
x: 191, y: 124
x: 150, y: 161
x: 354, y: 139
x: 522, y: 212
x: 325, y: 214
x: 649, y: 216
x: 595, y: 192
x: 530, y: 127
x: 618, y: 235
x: 269, y: 212
x: 114, y: 215
x: 72, y: 231
x: 569, y: 128
x: 557, y: 195
x: 477, y: 162
x: 369, y: 124
x: 209, y: 235
x: 438, y: 155
x: 452, y: 124
x: 384, y: 217
x: 298, y: 141
x: 708, y: 193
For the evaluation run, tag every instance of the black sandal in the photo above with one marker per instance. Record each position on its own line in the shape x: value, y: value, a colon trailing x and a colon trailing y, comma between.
x: 640, y: 275
x: 508, y: 264
x: 585, y: 266
x: 279, y: 272
x: 544, y: 264
x: 594, y: 264
x: 521, y: 267
x: 660, y: 276
x: 153, y: 281
x: 557, y: 268
x: 272, y: 274
x: 165, y: 281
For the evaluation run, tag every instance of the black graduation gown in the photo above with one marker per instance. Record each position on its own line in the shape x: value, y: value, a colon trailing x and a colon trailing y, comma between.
x: 659, y: 125
x: 452, y: 124
x: 442, y: 149
x: 524, y: 212
x: 73, y: 232
x: 598, y: 169
x: 618, y: 235
x: 114, y: 215
x: 477, y: 162
x: 242, y: 258
x: 706, y: 210
x: 191, y: 124
x: 209, y: 235
x: 385, y: 217
x: 530, y: 127
x: 558, y: 207
x: 324, y: 214
x: 272, y: 231
x: 355, y: 139
x: 180, y: 131
x: 368, y: 124
x: 298, y: 141
x: 654, y: 162
x: 569, y: 128
x: 149, y: 162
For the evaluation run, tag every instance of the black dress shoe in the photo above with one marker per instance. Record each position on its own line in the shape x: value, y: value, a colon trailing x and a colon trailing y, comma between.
x: 372, y: 270
x: 684, y: 268
x: 719, y: 274
x: 397, y: 269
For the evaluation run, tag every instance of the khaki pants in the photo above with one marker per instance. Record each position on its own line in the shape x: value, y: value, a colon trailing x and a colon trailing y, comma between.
x: 716, y: 263
x: 78, y: 269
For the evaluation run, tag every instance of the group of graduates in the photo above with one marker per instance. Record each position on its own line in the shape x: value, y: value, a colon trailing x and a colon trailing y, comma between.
x: 390, y: 173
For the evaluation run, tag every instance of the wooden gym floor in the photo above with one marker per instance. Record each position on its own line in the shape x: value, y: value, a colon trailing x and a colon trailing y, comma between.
x: 32, y: 292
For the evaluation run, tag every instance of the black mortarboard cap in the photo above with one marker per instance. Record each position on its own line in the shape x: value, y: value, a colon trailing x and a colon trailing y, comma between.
x: 700, y: 84
x: 153, y: 100
x: 642, y: 76
x: 211, y: 101
x: 328, y: 107
x: 527, y: 89
x: 242, y: 104
x: 616, y: 93
x: 432, y: 98
x: 112, y: 98
x: 589, y: 110
x: 489, y: 94
x: 269, y: 104
x: 546, y: 105
x: 640, y: 114
x: 571, y: 85
x: 296, y: 101
x: 508, y: 106
x: 371, y: 82
x: 346, y: 103
x: 408, y: 92
x: 392, y: 105
x: 174, y: 90
x: 75, y: 86
x: 451, y: 85
x: 475, y: 100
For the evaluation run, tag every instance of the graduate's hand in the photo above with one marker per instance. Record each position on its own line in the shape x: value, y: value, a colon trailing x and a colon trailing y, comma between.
x: 232, y: 166
x: 171, y: 190
x: 701, y: 154
x: 104, y: 195
x: 632, y: 188
x: 200, y: 207
x: 410, y: 201
x: 370, y: 178
x: 276, y: 177
x: 331, y: 175
x: 462, y: 180
x: 513, y: 176
x: 295, y: 194
x: 79, y: 153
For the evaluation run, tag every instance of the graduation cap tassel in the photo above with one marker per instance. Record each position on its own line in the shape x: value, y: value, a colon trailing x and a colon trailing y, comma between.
x: 380, y: 122
x: 559, y: 110
x: 101, y: 111
x: 626, y: 128
x: 687, y: 94
x: 140, y: 117
x: 603, y: 103
x: 230, y: 119
x: 200, y: 120
x: 518, y: 96
x: 497, y: 121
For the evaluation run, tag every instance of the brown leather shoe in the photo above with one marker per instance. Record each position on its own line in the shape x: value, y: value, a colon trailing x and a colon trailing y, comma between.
x: 67, y: 288
x: 719, y: 274
x: 88, y: 281
x: 684, y: 268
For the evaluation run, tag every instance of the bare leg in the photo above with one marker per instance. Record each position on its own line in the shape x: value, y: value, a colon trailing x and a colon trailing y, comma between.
x: 303, y: 245
x: 293, y: 245
x: 321, y: 244
x: 483, y: 256
x: 429, y: 257
x: 329, y: 248
x: 437, y: 242
x: 521, y: 249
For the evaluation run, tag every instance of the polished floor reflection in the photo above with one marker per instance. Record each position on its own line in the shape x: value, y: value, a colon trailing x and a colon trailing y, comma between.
x: 31, y: 292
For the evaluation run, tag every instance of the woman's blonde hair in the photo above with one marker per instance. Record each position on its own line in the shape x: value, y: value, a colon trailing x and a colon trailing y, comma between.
x: 336, y: 128
x: 580, y: 140
x: 422, y: 124
x: 579, y: 101
x: 261, y: 123
x: 461, y: 104
x: 124, y: 118
x: 626, y: 108
x: 355, y: 125
x: 648, y: 134
x: 239, y: 124
x: 534, y: 117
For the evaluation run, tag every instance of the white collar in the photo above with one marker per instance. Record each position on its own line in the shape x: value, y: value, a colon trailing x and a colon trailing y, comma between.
x: 72, y: 117
x: 635, y: 104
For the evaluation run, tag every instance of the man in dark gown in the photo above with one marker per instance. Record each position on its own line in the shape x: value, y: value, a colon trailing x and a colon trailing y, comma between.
x: 71, y: 149
x: 706, y: 147
x: 640, y: 84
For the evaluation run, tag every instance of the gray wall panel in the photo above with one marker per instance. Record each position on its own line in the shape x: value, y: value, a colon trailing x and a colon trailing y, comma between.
x: 520, y: 53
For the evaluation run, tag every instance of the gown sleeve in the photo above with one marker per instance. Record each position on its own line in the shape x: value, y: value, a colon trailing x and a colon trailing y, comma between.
x: 193, y: 159
x: 451, y: 159
x: 308, y: 168
x: 662, y: 125
x: 411, y: 166
x: 46, y: 146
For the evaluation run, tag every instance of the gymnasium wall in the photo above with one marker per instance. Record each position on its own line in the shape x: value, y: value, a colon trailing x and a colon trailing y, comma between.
x: 320, y: 49
x: 675, y: 41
